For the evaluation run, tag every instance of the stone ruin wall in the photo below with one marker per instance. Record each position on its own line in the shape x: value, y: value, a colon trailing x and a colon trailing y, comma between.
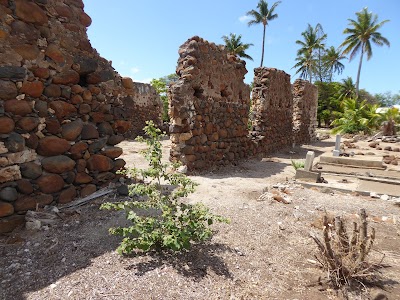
x: 209, y: 109
x: 63, y: 108
x: 272, y: 110
x: 209, y: 106
x: 304, y: 112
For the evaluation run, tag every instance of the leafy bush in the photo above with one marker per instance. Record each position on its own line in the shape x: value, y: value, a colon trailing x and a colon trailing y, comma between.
x: 159, y: 219
x: 298, y: 164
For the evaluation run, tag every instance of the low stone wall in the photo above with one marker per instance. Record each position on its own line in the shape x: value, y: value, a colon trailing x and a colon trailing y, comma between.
x: 304, y: 111
x: 63, y: 108
x: 209, y: 106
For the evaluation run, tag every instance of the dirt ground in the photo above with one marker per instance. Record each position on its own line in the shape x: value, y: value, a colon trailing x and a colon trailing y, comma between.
x: 264, y: 253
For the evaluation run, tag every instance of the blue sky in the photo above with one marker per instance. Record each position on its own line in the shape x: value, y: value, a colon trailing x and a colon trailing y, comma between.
x: 142, y: 38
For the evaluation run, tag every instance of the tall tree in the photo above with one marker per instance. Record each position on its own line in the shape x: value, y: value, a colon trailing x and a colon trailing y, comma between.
x: 234, y: 45
x: 305, y: 65
x: 332, y: 58
x: 262, y: 16
x: 321, y: 67
x: 347, y: 88
x: 310, y: 43
x: 360, y: 34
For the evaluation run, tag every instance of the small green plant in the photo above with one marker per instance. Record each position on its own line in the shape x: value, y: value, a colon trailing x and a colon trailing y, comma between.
x: 160, y: 220
x: 298, y: 164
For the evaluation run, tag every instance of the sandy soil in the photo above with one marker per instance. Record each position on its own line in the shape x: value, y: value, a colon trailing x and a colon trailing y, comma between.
x: 263, y: 254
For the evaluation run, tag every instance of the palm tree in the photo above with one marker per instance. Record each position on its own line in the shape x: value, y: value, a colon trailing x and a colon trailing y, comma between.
x: 360, y: 34
x: 332, y: 62
x: 347, y: 88
x: 305, y: 55
x: 263, y: 15
x: 235, y: 46
x: 321, y: 69
x: 305, y: 65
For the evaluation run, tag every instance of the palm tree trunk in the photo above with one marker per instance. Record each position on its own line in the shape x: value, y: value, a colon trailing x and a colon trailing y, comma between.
x: 359, y: 71
x: 263, y: 44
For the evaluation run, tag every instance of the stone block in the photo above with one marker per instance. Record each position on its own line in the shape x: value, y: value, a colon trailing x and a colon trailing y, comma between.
x: 309, y: 176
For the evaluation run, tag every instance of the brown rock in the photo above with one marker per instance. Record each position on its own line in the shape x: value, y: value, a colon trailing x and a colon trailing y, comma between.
x: 115, y: 139
x: 64, y: 11
x: 119, y: 164
x: 87, y: 96
x: 101, y: 76
x: 41, y: 108
x: 80, y: 165
x: 25, y: 203
x: 121, y: 126
x: 76, y: 99
x: 101, y: 163
x: 67, y: 195
x: 53, y: 125
x: 88, y: 190
x: 30, y: 12
x: 41, y: 73
x: 31, y: 170
x: 58, y: 164
x: 50, y: 183
x: 77, y: 89
x: 127, y: 83
x: 28, y: 123
x: 85, y: 19
x: 12, y: 72
x: 6, y: 209
x: 27, y: 51
x: 55, y: 53
x: 97, y: 117
x: 89, y: 131
x: 105, y: 177
x: 97, y: 145
x: 62, y: 109
x: 6, y: 125
x: 112, y: 152
x: 17, y: 107
x: 105, y: 129
x: 24, y: 186
x: 53, y: 90
x: 52, y: 145
x: 67, y: 77
x: 77, y: 150
x: 82, y: 178
x: 43, y: 199
x: 71, y: 131
x: 8, y: 90
x: 394, y: 162
x: 84, y: 109
x: 8, y: 224
x: 32, y: 141
x: 373, y: 144
x: 95, y: 90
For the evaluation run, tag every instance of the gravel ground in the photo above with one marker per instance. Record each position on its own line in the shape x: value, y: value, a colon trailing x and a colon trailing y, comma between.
x: 263, y: 253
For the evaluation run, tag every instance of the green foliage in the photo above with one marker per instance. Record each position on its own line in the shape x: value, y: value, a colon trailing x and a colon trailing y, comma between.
x: 298, y: 164
x: 328, y: 102
x: 357, y: 117
x: 161, y: 221
x: 161, y: 86
x: 234, y: 45
x: 387, y: 98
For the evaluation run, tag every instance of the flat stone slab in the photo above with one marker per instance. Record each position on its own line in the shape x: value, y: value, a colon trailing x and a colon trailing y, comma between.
x: 360, y: 161
x: 308, y: 176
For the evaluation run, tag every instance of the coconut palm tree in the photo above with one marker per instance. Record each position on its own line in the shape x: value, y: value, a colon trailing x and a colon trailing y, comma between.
x: 263, y: 16
x: 305, y: 65
x: 360, y: 34
x: 347, y: 88
x: 235, y: 46
x: 332, y: 62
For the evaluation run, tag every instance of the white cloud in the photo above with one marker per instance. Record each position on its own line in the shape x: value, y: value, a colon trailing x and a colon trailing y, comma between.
x: 134, y: 70
x: 146, y: 80
x: 244, y: 19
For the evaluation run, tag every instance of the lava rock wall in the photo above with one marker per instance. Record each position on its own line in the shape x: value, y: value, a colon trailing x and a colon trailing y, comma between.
x: 63, y: 108
x: 209, y: 106
x: 304, y: 111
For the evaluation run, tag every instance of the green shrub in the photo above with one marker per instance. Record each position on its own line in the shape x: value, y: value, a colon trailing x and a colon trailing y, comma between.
x: 298, y: 164
x: 160, y: 220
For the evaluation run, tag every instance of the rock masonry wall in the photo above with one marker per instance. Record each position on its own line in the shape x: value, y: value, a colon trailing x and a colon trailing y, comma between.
x: 209, y: 106
x: 63, y: 108
x: 272, y: 110
x: 304, y: 111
